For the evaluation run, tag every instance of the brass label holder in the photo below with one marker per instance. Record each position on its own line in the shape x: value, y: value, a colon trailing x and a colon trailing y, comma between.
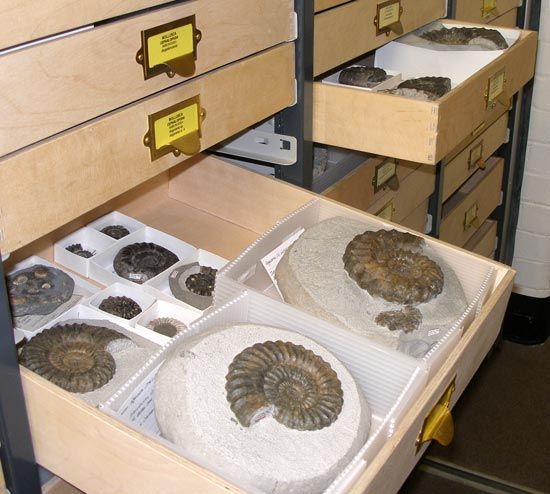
x: 438, y: 425
x: 176, y: 129
x: 387, y: 211
x: 170, y: 48
x: 471, y: 217
x: 495, y: 89
x: 475, y: 160
x: 385, y: 175
x: 488, y: 7
x: 388, y: 18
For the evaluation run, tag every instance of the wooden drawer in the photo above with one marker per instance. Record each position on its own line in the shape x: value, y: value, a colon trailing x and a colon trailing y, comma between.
x: 320, y: 5
x: 483, y: 11
x: 97, y: 454
x: 417, y: 219
x: 464, y: 212
x: 347, y: 32
x: 416, y: 130
x: 483, y: 241
x: 80, y: 77
x: 473, y: 156
x: 97, y: 161
x: 510, y: 19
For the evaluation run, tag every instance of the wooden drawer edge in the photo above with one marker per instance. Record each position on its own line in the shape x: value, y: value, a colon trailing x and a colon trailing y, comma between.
x: 483, y: 241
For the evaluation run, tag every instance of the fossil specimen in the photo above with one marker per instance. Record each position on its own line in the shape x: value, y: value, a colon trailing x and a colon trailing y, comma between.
x: 72, y: 356
x: 407, y: 319
x: 362, y: 76
x: 433, y: 87
x: 298, y: 388
x: 193, y: 284
x: 202, y: 283
x: 142, y: 261
x: 115, y: 231
x: 80, y: 251
x: 121, y: 306
x: 166, y: 326
x: 387, y: 264
x: 38, y: 290
x: 489, y: 39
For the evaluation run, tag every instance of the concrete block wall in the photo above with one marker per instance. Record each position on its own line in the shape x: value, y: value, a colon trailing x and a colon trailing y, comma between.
x: 532, y: 248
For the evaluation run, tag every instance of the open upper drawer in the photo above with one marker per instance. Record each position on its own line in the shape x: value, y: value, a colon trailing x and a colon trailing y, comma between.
x: 422, y: 131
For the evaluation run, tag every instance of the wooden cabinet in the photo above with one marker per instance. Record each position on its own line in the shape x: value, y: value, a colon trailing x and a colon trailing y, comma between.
x: 484, y: 11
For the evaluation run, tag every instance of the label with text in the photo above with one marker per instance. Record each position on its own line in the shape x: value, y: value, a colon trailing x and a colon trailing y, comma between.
x: 171, y: 44
x: 476, y: 156
x: 384, y: 172
x: 386, y: 213
x: 176, y: 125
x: 496, y: 86
x: 388, y: 14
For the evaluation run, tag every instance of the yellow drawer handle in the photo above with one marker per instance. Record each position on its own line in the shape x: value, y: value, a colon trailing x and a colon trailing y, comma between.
x: 475, y: 159
x: 495, y: 91
x: 385, y: 175
x: 388, y: 18
x: 488, y: 7
x: 471, y: 217
x: 387, y: 211
x: 438, y: 425
x: 170, y: 48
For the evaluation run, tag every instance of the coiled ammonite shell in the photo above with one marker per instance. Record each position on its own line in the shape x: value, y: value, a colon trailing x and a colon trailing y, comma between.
x: 202, y: 283
x: 490, y: 39
x: 362, y: 76
x: 80, y: 251
x: 72, y: 356
x: 120, y: 306
x: 166, y: 326
x: 387, y: 265
x: 407, y: 319
x: 142, y: 261
x: 298, y: 388
x: 38, y: 290
x: 115, y: 231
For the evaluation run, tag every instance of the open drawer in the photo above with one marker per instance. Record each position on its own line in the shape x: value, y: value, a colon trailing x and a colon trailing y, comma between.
x: 207, y: 203
x: 422, y: 131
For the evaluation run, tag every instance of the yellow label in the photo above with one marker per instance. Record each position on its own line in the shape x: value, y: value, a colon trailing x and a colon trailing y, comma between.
x: 489, y: 6
x: 385, y: 172
x: 476, y: 155
x: 171, y: 44
x: 470, y: 216
x: 388, y: 15
x: 386, y: 213
x: 176, y: 125
x: 495, y: 86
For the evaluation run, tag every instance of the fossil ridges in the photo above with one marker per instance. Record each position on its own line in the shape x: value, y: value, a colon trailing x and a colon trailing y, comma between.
x: 202, y: 283
x: 436, y: 86
x: 115, y: 231
x: 141, y: 261
x: 120, y: 306
x: 72, y: 356
x: 407, y: 319
x: 490, y: 39
x: 388, y: 264
x: 296, y: 386
x: 166, y: 326
x: 362, y: 76
x: 78, y: 250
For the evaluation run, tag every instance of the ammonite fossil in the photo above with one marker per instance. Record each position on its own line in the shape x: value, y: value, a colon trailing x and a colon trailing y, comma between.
x: 193, y: 284
x: 142, y: 261
x: 434, y: 86
x: 362, y: 76
x: 166, y: 326
x: 115, y: 231
x: 387, y: 264
x: 72, y: 356
x: 80, y: 251
x: 407, y: 319
x: 202, y: 283
x: 490, y: 39
x: 38, y: 290
x: 298, y: 388
x: 120, y: 306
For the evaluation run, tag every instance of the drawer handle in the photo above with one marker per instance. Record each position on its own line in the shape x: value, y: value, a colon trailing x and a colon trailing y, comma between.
x: 176, y: 129
x: 495, y: 90
x: 438, y: 425
x: 170, y: 48
x: 385, y: 175
x: 475, y: 159
x: 488, y: 7
x: 387, y: 211
x: 388, y: 18
x: 471, y: 217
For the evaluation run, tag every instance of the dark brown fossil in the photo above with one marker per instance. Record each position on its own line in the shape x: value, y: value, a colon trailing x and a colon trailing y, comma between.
x: 166, y: 326
x: 38, y: 290
x: 72, y: 356
x: 362, y: 76
x: 202, y: 283
x: 80, y: 251
x: 388, y: 265
x: 434, y: 86
x: 295, y: 386
x: 142, y: 261
x: 120, y: 306
x: 115, y: 231
x: 407, y: 319
x: 491, y: 39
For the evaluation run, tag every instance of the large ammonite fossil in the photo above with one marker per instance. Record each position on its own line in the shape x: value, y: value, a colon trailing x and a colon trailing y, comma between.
x: 120, y: 306
x: 72, y: 356
x: 491, y: 39
x: 387, y: 264
x: 166, y: 326
x: 142, y: 261
x: 38, y: 290
x: 298, y: 388
x: 115, y: 231
x: 362, y: 76
x: 78, y: 250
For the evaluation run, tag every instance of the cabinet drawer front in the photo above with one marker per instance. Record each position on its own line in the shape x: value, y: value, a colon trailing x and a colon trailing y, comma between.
x: 483, y: 11
x: 472, y: 204
x: 72, y: 80
x: 465, y: 164
x: 483, y: 241
x: 417, y: 219
x: 105, y: 157
x: 320, y: 5
x: 346, y: 32
x: 510, y: 19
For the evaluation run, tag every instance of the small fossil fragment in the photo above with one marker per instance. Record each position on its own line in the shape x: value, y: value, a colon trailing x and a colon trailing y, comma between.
x: 167, y: 326
x: 362, y: 76
x: 80, y: 251
x: 72, y: 356
x: 294, y: 385
x: 388, y: 265
x: 120, y: 306
x: 490, y: 39
x: 38, y: 290
x: 115, y: 231
x: 407, y: 319
x: 142, y: 261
